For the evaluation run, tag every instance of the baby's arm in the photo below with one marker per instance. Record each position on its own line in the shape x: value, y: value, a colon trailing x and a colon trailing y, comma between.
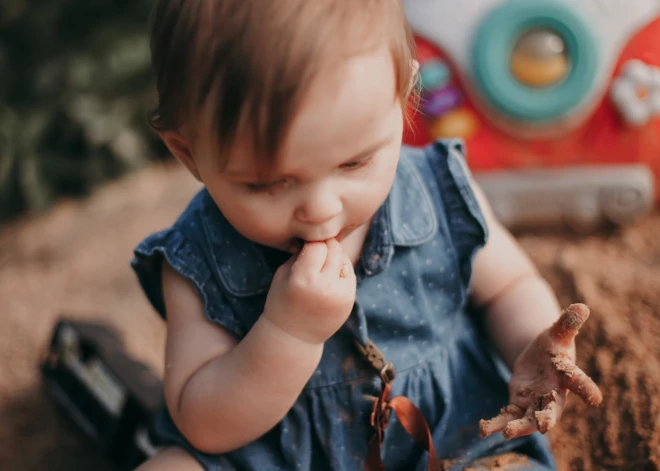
x: 221, y: 393
x: 521, y: 318
x: 519, y: 302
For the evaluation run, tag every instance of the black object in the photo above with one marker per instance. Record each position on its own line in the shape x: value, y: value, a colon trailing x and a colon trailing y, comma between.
x: 111, y: 397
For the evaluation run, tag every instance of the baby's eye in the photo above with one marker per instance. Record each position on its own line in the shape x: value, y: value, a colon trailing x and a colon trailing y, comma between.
x: 356, y: 164
x: 257, y: 187
x: 266, y: 187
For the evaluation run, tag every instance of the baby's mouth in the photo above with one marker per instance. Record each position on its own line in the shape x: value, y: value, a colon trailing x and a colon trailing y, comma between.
x: 297, y: 243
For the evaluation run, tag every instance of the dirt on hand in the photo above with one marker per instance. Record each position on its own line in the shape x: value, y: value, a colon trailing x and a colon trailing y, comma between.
x: 74, y: 261
x: 542, y: 376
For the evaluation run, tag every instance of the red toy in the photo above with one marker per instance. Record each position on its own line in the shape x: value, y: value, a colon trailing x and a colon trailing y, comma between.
x: 553, y: 133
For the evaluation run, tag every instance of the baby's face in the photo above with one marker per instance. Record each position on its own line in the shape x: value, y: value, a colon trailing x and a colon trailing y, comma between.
x: 337, y: 167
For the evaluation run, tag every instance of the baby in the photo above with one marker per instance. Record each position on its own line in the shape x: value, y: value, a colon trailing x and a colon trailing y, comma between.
x: 326, y: 282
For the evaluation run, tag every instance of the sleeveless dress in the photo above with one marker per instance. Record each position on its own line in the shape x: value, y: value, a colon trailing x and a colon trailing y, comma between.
x: 413, y: 287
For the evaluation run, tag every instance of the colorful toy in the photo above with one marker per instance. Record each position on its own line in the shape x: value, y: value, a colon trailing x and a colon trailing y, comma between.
x: 558, y: 102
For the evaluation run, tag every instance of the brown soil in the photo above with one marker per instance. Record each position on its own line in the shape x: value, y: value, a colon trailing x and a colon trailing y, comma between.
x: 505, y: 462
x: 74, y: 261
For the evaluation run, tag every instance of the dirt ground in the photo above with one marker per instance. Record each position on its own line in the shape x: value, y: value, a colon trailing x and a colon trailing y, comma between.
x: 74, y: 261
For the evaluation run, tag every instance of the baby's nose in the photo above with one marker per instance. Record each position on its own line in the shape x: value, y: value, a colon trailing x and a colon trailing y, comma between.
x: 318, y: 208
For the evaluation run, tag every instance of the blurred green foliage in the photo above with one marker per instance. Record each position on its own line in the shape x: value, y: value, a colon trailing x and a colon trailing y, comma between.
x: 75, y: 88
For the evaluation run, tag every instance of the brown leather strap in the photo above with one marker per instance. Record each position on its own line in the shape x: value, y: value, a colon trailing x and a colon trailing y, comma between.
x: 410, y: 418
x: 374, y: 462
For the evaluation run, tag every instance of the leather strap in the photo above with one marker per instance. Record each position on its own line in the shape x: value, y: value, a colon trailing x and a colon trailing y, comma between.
x: 410, y: 418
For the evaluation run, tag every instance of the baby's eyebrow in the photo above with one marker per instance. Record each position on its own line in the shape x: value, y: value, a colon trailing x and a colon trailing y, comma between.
x: 237, y: 175
x: 247, y: 175
x: 253, y: 179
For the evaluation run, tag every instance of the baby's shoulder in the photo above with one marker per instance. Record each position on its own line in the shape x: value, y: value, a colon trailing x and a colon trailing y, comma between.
x: 197, y: 214
x: 201, y: 249
x: 176, y: 240
x: 442, y: 154
x: 440, y: 169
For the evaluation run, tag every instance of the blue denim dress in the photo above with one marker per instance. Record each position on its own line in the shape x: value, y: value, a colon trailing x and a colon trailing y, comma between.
x: 412, y: 294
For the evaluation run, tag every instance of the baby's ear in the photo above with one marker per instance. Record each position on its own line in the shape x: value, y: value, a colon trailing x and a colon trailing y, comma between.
x: 181, y: 149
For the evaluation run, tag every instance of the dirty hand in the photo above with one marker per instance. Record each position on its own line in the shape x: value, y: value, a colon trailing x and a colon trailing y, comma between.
x: 313, y: 294
x: 542, y: 376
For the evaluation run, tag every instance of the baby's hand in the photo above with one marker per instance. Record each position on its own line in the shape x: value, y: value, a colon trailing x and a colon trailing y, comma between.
x: 313, y: 294
x: 542, y: 376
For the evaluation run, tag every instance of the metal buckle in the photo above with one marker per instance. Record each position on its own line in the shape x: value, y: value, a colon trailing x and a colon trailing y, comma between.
x: 377, y: 360
x: 387, y: 373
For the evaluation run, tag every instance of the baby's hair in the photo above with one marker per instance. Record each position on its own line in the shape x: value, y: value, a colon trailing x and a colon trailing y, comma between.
x: 250, y: 62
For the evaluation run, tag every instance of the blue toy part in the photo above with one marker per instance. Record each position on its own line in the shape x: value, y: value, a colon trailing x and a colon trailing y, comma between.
x: 495, y: 42
x: 434, y: 74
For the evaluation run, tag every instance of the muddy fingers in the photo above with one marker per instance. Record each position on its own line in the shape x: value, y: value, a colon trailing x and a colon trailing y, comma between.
x: 497, y: 424
x: 521, y: 427
x: 577, y: 381
x: 569, y: 323
x: 552, y: 406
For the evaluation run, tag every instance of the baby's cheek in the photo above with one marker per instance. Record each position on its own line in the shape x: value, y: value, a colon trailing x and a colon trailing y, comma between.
x: 259, y: 225
x: 370, y: 202
x: 374, y: 192
x: 268, y: 226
